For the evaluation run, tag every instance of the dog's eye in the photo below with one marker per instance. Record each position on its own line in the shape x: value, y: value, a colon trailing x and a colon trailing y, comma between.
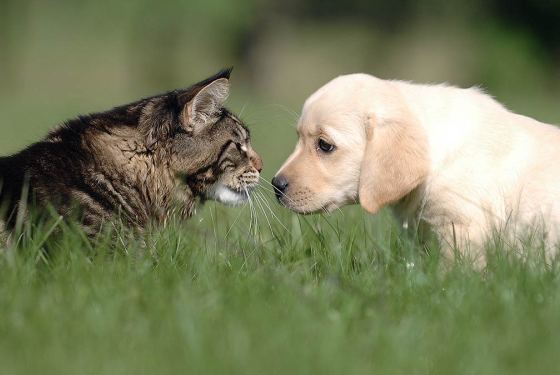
x: 325, y: 146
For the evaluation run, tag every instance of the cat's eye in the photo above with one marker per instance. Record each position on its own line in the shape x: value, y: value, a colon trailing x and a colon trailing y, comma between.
x: 325, y: 146
x: 241, y: 147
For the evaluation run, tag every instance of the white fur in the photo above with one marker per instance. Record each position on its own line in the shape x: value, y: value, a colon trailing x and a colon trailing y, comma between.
x: 225, y: 195
x: 487, y: 167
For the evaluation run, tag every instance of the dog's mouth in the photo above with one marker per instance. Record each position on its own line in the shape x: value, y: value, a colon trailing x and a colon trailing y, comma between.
x: 306, y: 204
x: 300, y: 207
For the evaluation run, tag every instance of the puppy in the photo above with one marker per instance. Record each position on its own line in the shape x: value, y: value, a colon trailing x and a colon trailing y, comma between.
x: 453, y: 159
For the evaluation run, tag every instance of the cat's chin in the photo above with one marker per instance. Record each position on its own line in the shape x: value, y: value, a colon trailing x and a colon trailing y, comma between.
x: 223, y: 194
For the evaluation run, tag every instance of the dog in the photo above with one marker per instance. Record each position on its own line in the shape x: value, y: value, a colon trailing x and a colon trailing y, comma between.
x: 454, y: 160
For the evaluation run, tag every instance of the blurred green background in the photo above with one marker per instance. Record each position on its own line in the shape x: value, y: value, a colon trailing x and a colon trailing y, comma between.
x: 62, y: 58
x: 329, y: 295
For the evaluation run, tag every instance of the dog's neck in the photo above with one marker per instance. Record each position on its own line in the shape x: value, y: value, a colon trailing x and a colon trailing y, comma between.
x: 409, y: 209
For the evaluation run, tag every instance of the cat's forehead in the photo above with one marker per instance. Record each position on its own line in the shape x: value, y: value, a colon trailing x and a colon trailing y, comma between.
x: 236, y: 125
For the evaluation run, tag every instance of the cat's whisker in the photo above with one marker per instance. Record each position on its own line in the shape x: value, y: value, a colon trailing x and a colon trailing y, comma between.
x: 289, y: 111
x: 274, y: 191
x: 251, y: 218
x: 273, y: 214
x: 253, y: 214
x: 266, y: 188
x: 243, y: 109
x: 264, y: 213
x: 288, y: 198
x: 265, y: 180
x: 270, y: 191
x: 257, y: 222
x: 234, y: 222
x: 266, y: 203
x: 253, y: 229
x: 272, y: 188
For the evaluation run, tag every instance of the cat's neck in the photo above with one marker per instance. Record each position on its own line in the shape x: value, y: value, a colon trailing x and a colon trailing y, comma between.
x: 140, y: 181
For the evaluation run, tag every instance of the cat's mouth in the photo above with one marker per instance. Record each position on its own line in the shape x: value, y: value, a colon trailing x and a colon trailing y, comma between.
x: 228, y: 195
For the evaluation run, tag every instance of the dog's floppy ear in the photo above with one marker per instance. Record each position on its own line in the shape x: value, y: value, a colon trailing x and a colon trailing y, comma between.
x: 394, y: 163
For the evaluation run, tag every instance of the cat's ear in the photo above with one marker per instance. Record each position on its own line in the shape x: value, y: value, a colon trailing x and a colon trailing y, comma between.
x: 206, y: 104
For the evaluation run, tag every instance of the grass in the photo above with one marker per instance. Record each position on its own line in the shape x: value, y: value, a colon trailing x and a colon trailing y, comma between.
x: 347, y: 293
x: 341, y: 294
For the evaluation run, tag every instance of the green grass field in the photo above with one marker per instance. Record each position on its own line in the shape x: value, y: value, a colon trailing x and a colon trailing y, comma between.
x: 225, y: 293
x: 267, y: 292
x: 231, y: 292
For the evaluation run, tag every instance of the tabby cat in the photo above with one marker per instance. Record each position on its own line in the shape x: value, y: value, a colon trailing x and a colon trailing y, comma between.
x: 141, y: 161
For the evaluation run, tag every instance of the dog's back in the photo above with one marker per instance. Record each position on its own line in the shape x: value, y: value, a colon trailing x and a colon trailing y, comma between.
x: 488, y: 164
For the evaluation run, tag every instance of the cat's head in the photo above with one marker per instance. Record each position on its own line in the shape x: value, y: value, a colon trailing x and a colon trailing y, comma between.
x: 205, y: 145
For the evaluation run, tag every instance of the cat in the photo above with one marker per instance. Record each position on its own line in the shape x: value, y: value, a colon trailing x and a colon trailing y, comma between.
x: 143, y: 161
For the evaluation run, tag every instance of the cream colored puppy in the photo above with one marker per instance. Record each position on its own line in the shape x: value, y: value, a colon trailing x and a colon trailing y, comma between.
x: 452, y: 158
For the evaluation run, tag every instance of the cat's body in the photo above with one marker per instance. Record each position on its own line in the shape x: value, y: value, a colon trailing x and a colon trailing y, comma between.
x: 141, y: 161
x: 100, y: 170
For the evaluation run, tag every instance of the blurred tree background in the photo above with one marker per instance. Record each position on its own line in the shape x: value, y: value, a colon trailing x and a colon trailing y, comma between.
x: 59, y: 58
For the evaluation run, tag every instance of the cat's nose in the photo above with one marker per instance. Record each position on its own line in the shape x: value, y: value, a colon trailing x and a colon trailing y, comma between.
x: 256, y: 161
x: 280, y: 184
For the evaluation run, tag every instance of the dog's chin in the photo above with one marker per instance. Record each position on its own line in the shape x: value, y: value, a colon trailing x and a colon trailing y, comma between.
x: 226, y: 195
x: 313, y: 207
x: 309, y: 208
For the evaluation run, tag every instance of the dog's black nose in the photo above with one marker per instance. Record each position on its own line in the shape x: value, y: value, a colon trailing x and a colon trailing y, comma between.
x: 280, y: 184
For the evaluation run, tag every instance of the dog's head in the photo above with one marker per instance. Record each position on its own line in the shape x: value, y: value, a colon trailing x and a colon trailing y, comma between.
x: 358, y: 141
